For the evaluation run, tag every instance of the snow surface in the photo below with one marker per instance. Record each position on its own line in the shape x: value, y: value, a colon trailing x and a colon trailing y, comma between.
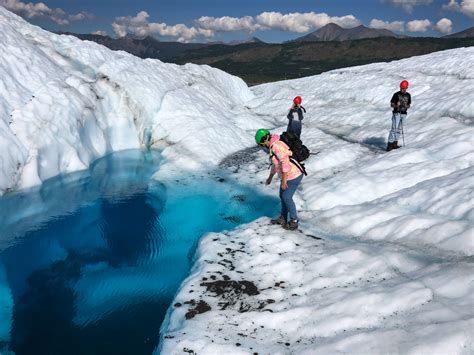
x: 383, y: 261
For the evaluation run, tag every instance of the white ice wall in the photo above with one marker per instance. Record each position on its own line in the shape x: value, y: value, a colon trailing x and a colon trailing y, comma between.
x: 65, y: 102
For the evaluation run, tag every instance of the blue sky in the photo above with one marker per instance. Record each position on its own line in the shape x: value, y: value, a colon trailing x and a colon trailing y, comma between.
x: 225, y: 20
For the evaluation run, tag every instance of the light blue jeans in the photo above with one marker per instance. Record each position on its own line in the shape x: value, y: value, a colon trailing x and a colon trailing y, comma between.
x: 397, y: 124
x: 286, y: 197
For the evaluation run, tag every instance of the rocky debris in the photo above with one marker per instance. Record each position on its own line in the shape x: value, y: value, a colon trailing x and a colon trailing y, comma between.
x: 199, y: 307
x: 227, y: 287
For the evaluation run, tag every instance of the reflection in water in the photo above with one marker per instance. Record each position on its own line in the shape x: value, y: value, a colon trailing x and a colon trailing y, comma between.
x: 90, y: 262
x: 127, y: 226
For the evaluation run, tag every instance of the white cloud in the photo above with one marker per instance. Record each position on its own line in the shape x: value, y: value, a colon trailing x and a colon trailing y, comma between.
x: 452, y: 6
x: 100, y: 33
x: 139, y: 25
x: 227, y: 24
x: 120, y: 30
x: 292, y: 22
x: 37, y: 10
x: 408, y: 5
x: 41, y: 10
x: 207, y: 26
x: 398, y: 26
x: 419, y: 25
x: 445, y: 26
x: 82, y: 16
x: 302, y: 22
x: 466, y: 7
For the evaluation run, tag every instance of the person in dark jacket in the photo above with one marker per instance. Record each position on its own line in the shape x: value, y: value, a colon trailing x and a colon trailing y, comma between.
x: 400, y: 103
x: 294, y: 124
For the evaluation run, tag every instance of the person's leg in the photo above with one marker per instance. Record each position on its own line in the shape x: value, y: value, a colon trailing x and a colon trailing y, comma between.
x: 281, y: 220
x: 289, y: 128
x: 297, y: 128
x: 283, y: 213
x: 287, y: 197
x: 392, y: 137
x: 284, y: 208
x: 398, y: 131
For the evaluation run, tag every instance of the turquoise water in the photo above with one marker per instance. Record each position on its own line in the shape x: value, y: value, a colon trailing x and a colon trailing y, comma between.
x: 90, y: 262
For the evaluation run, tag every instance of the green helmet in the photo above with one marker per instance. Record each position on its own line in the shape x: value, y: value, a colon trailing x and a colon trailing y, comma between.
x: 260, y: 135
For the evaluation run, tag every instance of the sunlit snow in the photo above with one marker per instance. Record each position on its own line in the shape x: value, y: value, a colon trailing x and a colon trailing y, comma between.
x: 383, y: 261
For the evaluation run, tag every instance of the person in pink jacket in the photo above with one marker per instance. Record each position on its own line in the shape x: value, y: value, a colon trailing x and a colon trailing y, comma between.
x: 290, y: 174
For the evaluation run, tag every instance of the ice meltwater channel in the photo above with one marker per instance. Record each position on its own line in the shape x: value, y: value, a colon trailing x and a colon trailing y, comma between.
x: 91, y: 261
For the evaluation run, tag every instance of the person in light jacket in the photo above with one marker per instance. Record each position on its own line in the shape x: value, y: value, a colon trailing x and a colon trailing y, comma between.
x: 289, y: 173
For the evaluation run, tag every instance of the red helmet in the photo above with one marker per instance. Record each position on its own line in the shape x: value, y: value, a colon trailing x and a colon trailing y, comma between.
x: 297, y: 100
x: 404, y: 84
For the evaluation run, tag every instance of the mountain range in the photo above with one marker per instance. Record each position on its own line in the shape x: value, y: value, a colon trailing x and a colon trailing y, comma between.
x: 255, y: 61
x: 333, y: 32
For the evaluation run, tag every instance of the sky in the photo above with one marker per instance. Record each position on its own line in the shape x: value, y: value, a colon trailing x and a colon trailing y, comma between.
x: 217, y: 20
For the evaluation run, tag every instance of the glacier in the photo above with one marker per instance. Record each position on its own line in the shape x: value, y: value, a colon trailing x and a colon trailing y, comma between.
x: 384, y: 259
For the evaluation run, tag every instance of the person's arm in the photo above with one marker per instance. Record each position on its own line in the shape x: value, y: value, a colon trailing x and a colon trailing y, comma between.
x: 395, y: 102
x: 273, y: 170
x: 290, y: 114
x: 284, y: 159
x: 270, y: 178
x: 300, y: 113
x: 409, y: 101
x: 284, y: 183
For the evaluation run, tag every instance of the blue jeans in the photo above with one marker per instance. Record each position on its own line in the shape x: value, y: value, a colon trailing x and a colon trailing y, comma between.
x: 294, y: 126
x: 286, y: 197
x: 397, y: 124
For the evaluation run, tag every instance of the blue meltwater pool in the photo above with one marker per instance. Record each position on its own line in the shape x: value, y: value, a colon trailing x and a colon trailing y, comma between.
x: 90, y: 262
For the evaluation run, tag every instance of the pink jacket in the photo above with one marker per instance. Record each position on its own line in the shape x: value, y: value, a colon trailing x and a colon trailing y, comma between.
x: 280, y: 155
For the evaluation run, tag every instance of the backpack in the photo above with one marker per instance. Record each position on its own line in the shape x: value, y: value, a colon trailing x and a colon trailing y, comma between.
x: 299, y: 150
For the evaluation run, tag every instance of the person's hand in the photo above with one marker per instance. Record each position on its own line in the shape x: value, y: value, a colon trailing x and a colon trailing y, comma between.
x: 269, y: 180
x: 284, y: 185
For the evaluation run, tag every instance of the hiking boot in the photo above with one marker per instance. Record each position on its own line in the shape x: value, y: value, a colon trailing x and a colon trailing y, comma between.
x: 280, y: 220
x: 390, y: 146
x: 291, y: 225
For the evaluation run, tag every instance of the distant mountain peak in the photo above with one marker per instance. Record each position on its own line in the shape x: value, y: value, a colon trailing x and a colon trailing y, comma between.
x: 332, y: 25
x: 249, y: 40
x: 334, y: 32
x: 467, y: 33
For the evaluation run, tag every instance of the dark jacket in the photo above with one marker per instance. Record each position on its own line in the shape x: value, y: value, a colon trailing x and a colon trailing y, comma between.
x: 299, y: 110
x: 405, y: 102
